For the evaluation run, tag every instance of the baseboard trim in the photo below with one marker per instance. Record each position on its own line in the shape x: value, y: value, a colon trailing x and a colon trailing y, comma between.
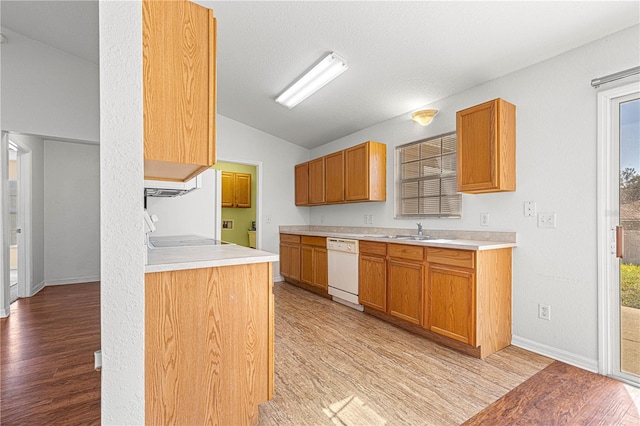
x: 4, y: 313
x: 278, y: 278
x: 37, y: 288
x: 79, y: 280
x: 557, y: 354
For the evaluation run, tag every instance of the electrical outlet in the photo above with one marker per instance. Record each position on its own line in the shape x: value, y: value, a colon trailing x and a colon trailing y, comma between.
x: 366, y: 219
x: 484, y: 219
x: 544, y: 312
x: 546, y: 220
x: 370, y: 219
x: 529, y: 208
x: 268, y: 219
x: 321, y: 218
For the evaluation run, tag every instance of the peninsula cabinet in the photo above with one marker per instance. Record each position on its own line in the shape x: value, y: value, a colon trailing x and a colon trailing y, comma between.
x: 366, y: 172
x: 179, y: 89
x: 487, y: 147
x: 373, y: 275
x: 314, y: 266
x: 290, y: 257
x: 302, y: 184
x: 208, y: 344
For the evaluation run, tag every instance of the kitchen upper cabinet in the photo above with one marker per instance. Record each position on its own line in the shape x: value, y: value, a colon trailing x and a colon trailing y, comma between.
x: 179, y: 89
x: 314, y: 267
x: 487, y: 147
x: 406, y: 276
x: 334, y: 177
x: 373, y: 275
x: 236, y: 190
x: 366, y: 172
x: 353, y: 175
x: 316, y: 181
x: 302, y: 184
x: 290, y: 256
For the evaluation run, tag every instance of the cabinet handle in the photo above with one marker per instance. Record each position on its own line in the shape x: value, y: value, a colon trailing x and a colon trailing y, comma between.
x: 619, y: 242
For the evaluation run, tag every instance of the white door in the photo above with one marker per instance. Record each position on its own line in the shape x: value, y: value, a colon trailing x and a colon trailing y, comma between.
x: 619, y: 232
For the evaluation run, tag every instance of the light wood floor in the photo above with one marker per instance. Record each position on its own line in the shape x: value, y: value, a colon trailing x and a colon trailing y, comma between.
x: 334, y: 365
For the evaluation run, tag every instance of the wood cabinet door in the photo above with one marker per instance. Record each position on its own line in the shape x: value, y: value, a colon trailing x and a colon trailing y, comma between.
x: 316, y: 181
x: 178, y: 49
x: 334, y: 177
x: 242, y: 183
x: 357, y: 173
x: 285, y: 260
x: 302, y: 184
x: 320, y: 268
x: 228, y: 189
x: 452, y: 302
x: 306, y: 272
x: 405, y: 290
x: 486, y: 147
x: 373, y: 282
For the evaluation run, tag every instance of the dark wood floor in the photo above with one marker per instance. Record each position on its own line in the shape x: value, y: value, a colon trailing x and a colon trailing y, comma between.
x: 46, y: 359
x: 47, y: 376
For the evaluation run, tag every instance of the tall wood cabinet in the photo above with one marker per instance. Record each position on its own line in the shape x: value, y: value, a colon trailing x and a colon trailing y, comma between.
x: 179, y: 89
x: 487, y: 147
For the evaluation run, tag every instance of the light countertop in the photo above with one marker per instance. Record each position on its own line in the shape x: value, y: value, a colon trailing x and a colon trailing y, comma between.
x: 194, y: 257
x: 460, y: 240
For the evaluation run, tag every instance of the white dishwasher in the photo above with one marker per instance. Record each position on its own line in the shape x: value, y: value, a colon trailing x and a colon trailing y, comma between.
x: 343, y: 271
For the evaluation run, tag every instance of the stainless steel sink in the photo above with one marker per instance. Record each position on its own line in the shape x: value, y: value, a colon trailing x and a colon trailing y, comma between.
x: 413, y: 238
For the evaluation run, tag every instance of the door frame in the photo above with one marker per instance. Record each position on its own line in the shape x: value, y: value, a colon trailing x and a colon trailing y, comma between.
x: 608, y: 218
x: 25, y: 222
x: 5, y: 298
x: 258, y: 166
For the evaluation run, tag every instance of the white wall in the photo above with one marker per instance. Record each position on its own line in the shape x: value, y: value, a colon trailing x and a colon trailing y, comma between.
x: 72, y: 212
x: 121, y: 207
x: 556, y: 168
x: 48, y: 92
x: 192, y: 213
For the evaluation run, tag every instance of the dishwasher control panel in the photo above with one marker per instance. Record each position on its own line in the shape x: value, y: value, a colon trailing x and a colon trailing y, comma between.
x: 340, y: 244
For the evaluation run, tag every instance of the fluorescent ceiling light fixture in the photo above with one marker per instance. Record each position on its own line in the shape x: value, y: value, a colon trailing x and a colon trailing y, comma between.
x: 424, y: 117
x: 313, y: 80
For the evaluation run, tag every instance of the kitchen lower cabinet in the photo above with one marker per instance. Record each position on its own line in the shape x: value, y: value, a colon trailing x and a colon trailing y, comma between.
x: 451, y: 303
x: 209, y: 341
x: 290, y: 256
x: 372, y: 286
x: 469, y: 297
x: 405, y: 281
x: 314, y: 266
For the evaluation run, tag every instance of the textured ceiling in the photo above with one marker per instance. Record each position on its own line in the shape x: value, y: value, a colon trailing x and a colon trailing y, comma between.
x: 401, y: 55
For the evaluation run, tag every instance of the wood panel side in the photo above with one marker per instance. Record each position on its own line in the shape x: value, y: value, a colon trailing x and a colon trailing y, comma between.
x: 213, y: 86
x: 207, y: 348
x: 494, y: 305
x: 302, y: 184
x: 506, y: 145
x: 377, y: 171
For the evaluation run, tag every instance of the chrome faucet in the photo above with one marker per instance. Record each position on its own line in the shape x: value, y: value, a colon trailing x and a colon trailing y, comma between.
x: 419, y: 228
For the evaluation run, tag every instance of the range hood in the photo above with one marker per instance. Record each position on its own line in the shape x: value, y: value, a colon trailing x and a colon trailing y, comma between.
x: 161, y: 188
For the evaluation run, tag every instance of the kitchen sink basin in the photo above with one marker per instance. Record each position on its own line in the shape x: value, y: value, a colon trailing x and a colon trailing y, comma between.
x: 413, y: 238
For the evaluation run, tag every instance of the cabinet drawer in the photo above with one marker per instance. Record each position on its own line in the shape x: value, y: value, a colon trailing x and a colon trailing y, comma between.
x: 370, y: 247
x: 461, y: 258
x: 309, y: 240
x: 288, y: 238
x: 406, y: 252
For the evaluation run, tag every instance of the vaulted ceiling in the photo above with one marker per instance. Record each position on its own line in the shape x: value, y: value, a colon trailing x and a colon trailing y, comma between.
x: 401, y: 54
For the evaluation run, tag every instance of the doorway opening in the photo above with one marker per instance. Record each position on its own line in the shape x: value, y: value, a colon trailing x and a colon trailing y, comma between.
x: 14, y: 229
x: 240, y: 202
